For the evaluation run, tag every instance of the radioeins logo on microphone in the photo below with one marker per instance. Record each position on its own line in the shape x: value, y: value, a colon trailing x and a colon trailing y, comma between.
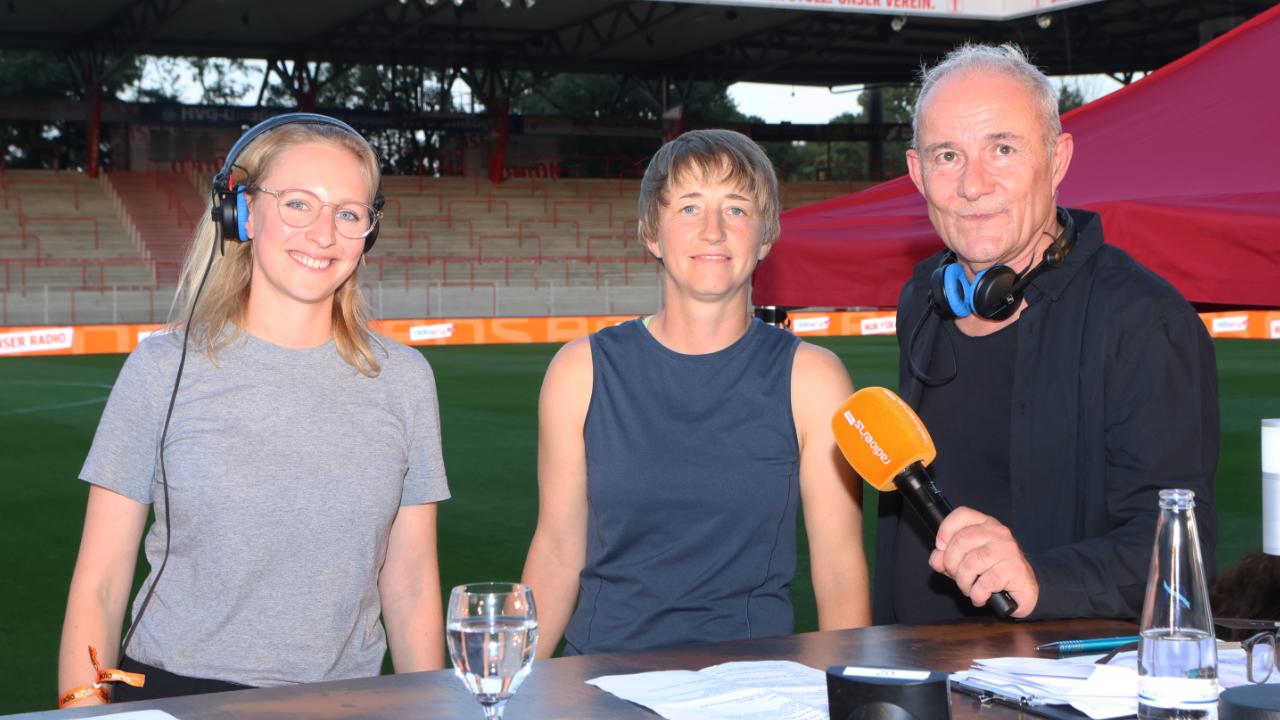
x: 876, y: 451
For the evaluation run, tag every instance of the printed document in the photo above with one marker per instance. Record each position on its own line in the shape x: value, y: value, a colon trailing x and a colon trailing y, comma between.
x: 1099, y: 691
x: 763, y: 690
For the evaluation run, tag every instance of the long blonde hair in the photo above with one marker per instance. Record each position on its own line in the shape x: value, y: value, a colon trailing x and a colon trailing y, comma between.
x: 220, y: 312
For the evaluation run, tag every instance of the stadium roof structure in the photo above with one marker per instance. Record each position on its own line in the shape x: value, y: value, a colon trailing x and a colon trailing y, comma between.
x: 646, y: 38
x: 1179, y: 165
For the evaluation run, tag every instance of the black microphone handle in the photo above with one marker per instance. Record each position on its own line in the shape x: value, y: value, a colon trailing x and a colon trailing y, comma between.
x: 917, y: 487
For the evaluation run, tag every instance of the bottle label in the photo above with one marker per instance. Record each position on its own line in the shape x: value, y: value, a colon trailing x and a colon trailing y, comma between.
x: 1177, y: 693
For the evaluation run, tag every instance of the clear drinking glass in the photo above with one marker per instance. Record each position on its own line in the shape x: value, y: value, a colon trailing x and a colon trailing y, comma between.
x: 492, y: 630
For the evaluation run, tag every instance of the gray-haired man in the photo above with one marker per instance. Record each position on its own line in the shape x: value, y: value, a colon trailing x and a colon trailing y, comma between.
x: 1063, y: 383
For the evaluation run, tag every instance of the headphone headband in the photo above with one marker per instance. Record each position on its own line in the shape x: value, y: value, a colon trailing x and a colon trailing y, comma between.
x: 222, y: 180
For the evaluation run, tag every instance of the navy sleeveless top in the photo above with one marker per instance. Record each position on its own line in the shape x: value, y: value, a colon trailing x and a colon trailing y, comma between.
x: 692, y: 486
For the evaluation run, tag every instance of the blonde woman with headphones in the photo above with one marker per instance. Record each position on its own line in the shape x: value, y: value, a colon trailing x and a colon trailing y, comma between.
x: 292, y: 456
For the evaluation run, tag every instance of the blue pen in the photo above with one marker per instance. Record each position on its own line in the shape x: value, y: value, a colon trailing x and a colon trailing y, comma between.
x: 1089, y: 645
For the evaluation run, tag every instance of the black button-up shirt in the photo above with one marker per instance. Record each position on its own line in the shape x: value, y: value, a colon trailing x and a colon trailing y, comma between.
x: 1114, y: 397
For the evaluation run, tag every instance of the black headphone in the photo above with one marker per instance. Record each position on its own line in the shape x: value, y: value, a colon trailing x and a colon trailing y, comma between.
x: 231, y: 212
x: 994, y: 293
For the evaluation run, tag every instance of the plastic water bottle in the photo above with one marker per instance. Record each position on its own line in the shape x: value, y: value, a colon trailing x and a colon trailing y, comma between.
x: 1178, y: 655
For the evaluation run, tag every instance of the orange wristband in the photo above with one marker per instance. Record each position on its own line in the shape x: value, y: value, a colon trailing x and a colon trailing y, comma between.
x: 83, y: 692
x: 104, y: 676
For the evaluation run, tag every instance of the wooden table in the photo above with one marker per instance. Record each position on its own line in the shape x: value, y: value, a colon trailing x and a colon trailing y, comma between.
x: 556, y: 690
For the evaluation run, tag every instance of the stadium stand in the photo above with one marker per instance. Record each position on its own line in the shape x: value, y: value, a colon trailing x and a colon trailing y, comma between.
x: 161, y: 210
x: 77, y: 250
x: 62, y: 241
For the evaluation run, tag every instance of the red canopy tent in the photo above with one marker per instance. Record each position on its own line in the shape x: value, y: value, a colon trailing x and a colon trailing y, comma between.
x: 1183, y: 166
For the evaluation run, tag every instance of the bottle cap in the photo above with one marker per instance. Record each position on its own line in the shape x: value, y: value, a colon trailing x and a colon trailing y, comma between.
x: 1177, y: 498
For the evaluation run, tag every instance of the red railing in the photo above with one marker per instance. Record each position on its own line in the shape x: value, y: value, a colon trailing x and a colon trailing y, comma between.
x: 7, y: 183
x: 488, y: 202
x: 23, y: 220
x: 448, y: 224
x: 399, y: 211
x: 516, y: 237
x: 467, y: 278
x: 591, y: 202
x: 185, y: 219
x: 521, y: 225
x: 510, y: 189
x: 394, y: 187
x: 84, y: 264
x: 24, y: 235
x: 614, y: 236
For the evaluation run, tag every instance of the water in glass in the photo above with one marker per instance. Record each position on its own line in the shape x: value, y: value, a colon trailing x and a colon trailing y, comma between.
x: 1177, y: 669
x: 492, y: 632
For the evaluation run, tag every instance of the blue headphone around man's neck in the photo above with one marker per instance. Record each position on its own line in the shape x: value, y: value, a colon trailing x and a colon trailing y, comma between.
x: 996, y: 292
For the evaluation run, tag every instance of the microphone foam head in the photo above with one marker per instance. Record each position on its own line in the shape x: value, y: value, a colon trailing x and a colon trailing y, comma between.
x: 880, y: 435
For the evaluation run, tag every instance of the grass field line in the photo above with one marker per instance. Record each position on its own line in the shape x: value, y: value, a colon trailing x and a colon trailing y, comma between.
x: 57, y: 406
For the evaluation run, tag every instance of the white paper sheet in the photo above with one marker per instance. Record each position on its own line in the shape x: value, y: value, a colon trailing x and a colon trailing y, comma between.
x: 764, y: 690
x: 1099, y: 691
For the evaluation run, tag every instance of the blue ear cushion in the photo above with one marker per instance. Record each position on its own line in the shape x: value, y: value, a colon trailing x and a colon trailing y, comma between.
x: 959, y: 290
x: 242, y: 214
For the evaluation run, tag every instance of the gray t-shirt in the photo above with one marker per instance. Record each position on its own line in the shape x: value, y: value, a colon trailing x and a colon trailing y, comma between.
x: 286, y: 469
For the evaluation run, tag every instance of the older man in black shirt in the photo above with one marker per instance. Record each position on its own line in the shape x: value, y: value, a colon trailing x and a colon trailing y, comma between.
x: 1063, y: 383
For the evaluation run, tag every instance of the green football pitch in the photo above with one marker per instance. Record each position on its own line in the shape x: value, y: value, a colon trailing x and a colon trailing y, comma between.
x: 49, y: 408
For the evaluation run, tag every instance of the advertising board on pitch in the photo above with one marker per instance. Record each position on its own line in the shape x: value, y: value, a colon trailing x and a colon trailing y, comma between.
x: 811, y: 324
x: 880, y: 326
x: 23, y: 341
x: 1231, y: 323
x: 435, y: 331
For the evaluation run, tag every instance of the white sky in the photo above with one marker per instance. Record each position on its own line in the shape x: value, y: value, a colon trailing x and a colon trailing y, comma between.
x: 803, y: 104
x: 797, y: 104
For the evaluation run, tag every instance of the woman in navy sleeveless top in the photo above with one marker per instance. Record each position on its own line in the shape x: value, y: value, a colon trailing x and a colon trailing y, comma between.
x: 673, y: 451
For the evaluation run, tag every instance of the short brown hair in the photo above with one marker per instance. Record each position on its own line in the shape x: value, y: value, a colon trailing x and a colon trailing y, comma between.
x: 710, y: 151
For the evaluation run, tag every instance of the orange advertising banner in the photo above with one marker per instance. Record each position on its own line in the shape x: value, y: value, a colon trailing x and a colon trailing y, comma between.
x: 1258, y: 324
x: 105, y: 339
x: 99, y: 339
x: 487, y: 331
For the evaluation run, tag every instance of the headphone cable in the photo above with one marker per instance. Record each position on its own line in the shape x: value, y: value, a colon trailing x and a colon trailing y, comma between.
x: 164, y: 478
x: 924, y: 377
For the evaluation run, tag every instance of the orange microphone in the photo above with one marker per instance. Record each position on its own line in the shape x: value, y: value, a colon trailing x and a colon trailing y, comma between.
x: 887, y: 444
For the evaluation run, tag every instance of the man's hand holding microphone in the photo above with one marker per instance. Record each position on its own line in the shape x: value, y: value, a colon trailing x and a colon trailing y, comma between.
x: 888, y: 445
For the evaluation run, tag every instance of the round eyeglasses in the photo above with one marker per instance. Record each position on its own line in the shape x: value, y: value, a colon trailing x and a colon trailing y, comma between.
x: 1260, y: 654
x: 300, y: 208
x: 1259, y: 650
